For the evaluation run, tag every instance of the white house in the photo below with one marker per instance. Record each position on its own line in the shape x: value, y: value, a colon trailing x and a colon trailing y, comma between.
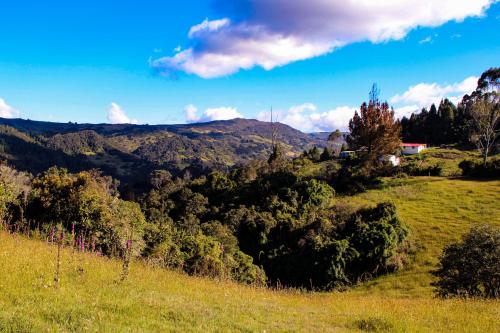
x: 412, y: 148
x: 393, y: 159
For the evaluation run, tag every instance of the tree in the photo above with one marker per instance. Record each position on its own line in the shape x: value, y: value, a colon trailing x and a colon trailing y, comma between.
x: 483, y: 106
x: 446, y: 112
x: 15, y: 188
x: 489, y: 82
x: 471, y: 268
x: 326, y: 155
x: 485, y: 120
x: 374, y: 131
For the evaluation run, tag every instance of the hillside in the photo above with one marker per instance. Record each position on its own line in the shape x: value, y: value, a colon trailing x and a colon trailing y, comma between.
x: 131, y: 152
x: 438, y: 210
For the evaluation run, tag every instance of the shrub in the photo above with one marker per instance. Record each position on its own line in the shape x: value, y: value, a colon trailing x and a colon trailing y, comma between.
x: 414, y: 169
x: 471, y: 268
x: 479, y: 170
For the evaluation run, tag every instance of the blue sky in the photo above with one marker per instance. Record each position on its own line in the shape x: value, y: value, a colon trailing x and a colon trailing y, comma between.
x: 119, y: 61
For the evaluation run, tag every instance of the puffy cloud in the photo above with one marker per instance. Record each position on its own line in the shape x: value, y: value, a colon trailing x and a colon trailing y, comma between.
x: 306, y: 118
x: 210, y: 114
x: 7, y: 111
x: 271, y: 33
x: 424, y: 94
x: 116, y: 115
x: 303, y: 107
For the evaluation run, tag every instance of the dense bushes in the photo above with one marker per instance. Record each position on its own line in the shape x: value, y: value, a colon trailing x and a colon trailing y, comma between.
x: 471, y: 268
x: 273, y: 224
x: 479, y: 170
x: 331, y: 252
x: 254, y: 226
x: 85, y: 205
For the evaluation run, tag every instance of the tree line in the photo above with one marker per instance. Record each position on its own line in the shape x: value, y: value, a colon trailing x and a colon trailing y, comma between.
x: 476, y: 119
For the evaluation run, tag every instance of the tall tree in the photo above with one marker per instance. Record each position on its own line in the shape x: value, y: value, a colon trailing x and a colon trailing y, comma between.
x: 447, y: 111
x: 485, y: 120
x: 374, y: 131
x: 483, y: 105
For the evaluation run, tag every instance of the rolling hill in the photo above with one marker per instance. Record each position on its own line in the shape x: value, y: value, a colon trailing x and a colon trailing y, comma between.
x: 130, y: 152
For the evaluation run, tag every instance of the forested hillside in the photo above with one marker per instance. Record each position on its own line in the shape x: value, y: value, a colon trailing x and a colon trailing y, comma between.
x: 130, y: 152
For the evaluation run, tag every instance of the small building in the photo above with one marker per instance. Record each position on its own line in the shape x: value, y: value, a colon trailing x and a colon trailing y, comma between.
x: 392, y: 159
x: 347, y: 154
x: 412, y: 148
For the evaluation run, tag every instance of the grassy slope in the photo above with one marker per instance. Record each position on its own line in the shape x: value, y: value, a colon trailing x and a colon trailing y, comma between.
x: 438, y: 210
x: 447, y: 159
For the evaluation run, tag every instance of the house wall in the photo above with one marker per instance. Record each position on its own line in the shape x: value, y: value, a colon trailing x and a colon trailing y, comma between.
x: 412, y: 150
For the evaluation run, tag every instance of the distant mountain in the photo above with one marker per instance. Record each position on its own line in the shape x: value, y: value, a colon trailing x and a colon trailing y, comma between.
x: 131, y: 152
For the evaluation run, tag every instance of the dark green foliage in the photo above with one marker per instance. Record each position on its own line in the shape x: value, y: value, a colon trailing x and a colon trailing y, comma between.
x: 416, y: 169
x: 274, y: 222
x: 329, y: 252
x: 444, y: 125
x: 376, y: 234
x: 327, y: 154
x: 471, y: 268
x: 480, y: 170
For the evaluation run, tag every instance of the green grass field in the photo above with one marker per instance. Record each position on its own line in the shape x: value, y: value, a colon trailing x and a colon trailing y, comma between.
x: 438, y: 211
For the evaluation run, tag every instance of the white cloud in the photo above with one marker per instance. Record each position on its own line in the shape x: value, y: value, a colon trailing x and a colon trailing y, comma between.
x: 191, y: 113
x: 306, y: 118
x: 210, y: 114
x: 7, y: 111
x: 406, y: 111
x: 303, y: 107
x: 208, y: 26
x: 116, y: 115
x: 274, y: 33
x: 424, y: 94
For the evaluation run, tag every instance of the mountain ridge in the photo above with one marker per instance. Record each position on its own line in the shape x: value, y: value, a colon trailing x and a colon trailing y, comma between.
x: 129, y: 152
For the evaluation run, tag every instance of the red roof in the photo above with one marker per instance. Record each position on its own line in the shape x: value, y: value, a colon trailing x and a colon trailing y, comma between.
x: 413, y: 144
